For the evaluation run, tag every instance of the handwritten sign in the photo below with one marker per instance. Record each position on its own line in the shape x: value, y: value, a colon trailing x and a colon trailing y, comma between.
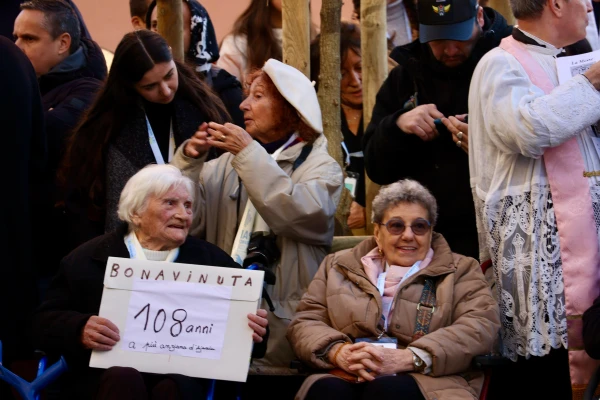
x: 177, y: 318
x: 568, y: 67
x: 180, y: 318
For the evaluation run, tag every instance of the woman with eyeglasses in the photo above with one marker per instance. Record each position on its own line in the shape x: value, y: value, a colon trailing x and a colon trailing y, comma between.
x: 399, y: 316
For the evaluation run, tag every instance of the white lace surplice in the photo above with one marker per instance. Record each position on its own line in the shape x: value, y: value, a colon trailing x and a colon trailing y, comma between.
x: 511, y: 122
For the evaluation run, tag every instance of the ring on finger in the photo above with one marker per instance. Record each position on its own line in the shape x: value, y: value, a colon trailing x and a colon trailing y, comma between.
x: 459, y: 144
x: 223, y: 137
x: 459, y: 135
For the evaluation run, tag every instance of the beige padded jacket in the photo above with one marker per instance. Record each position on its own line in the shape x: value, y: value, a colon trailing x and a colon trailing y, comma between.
x: 341, y: 303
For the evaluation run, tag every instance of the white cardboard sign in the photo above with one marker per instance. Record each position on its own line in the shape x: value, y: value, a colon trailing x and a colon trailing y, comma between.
x: 180, y: 318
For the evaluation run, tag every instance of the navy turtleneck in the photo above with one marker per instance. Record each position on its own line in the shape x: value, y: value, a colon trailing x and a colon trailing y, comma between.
x: 271, y: 147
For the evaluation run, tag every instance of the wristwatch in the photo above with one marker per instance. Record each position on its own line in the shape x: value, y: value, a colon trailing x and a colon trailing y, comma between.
x: 418, y: 363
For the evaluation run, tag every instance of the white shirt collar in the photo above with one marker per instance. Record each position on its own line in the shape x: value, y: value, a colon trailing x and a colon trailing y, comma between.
x: 549, y: 49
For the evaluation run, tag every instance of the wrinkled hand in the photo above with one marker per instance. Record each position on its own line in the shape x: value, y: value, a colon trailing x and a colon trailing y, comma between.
x: 341, y: 361
x: 258, y: 322
x: 357, y: 218
x: 228, y: 137
x: 420, y: 121
x: 198, y: 144
x: 456, y: 126
x: 99, y: 334
x: 593, y: 75
x: 379, y: 360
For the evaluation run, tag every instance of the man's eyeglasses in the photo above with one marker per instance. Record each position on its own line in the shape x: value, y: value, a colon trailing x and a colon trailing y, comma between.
x: 396, y: 226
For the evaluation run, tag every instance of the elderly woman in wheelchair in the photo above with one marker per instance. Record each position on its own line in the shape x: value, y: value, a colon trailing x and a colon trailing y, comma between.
x: 156, y: 209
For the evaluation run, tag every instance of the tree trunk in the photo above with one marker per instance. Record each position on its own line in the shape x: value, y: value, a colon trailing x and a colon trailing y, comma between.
x: 296, y: 34
x: 503, y: 7
x: 170, y: 25
x: 329, y: 99
x: 374, y: 62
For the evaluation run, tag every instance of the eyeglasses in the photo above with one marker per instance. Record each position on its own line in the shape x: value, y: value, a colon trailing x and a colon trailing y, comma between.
x: 396, y: 226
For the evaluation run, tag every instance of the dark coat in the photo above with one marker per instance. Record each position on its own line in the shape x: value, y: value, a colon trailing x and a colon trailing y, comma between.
x: 76, y: 292
x: 391, y: 155
x: 130, y: 151
x: 68, y: 90
x: 591, y: 330
x: 24, y: 141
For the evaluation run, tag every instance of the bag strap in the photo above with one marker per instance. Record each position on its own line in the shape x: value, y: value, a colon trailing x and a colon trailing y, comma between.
x: 425, y: 309
x: 302, y: 157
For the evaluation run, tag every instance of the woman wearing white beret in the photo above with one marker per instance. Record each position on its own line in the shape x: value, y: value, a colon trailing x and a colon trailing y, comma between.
x: 280, y: 163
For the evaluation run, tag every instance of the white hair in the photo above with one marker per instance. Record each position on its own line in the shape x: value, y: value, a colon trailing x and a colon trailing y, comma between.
x: 403, y: 191
x: 152, y: 180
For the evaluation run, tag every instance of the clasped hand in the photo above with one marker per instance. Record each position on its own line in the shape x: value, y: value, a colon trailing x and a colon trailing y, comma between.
x: 228, y: 137
x: 367, y: 361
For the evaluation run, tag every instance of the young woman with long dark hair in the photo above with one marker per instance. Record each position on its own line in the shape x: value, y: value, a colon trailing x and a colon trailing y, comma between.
x: 149, y: 105
x: 256, y: 37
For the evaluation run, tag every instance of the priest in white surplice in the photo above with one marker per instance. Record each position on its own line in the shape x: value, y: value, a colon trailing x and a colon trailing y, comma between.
x: 535, y: 173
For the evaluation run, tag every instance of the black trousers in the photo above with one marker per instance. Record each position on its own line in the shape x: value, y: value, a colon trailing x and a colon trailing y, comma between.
x: 125, y: 383
x: 399, y: 387
x: 122, y: 383
x: 545, y: 377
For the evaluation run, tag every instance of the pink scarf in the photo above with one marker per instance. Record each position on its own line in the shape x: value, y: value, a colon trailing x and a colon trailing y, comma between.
x: 374, y: 264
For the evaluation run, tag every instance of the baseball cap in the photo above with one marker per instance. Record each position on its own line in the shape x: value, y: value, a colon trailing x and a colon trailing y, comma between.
x: 446, y: 19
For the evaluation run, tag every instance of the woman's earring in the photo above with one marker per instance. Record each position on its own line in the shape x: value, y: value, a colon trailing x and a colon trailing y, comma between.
x: 380, y: 251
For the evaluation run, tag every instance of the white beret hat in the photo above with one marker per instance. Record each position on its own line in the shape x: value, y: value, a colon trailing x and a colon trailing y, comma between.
x: 298, y: 90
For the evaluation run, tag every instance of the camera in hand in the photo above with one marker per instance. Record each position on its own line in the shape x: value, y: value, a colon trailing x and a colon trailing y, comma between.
x: 262, y: 255
x: 263, y: 250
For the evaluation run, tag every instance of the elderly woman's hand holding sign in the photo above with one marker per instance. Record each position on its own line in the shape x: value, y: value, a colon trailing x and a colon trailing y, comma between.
x: 99, y: 334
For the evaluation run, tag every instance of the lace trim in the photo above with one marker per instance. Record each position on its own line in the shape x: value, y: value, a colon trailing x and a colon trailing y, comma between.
x: 522, y: 238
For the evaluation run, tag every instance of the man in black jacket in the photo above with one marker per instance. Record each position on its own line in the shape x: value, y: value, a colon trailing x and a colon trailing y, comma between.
x: 418, y: 127
x: 70, y: 69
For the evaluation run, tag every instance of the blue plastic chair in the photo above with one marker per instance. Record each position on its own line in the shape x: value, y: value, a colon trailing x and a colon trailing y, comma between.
x: 31, y: 390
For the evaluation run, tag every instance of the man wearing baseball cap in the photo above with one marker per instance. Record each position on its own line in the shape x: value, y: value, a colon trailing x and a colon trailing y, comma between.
x: 418, y: 128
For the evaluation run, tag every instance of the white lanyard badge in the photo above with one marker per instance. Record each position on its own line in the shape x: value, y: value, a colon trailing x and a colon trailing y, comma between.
x: 154, y: 145
x: 242, y: 237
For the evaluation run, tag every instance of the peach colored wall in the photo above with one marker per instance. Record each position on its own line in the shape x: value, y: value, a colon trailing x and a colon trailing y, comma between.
x: 108, y: 20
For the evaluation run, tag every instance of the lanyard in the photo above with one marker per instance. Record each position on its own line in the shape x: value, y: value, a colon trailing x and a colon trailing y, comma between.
x: 136, y: 251
x: 356, y: 154
x: 250, y: 220
x: 154, y: 145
